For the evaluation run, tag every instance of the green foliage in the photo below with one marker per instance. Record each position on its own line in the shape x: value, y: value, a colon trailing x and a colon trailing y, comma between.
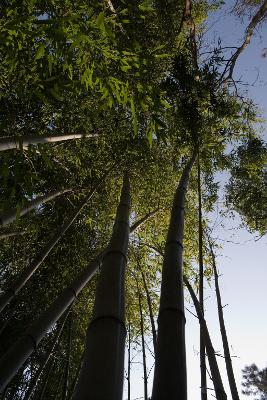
x: 247, y: 188
x: 124, y: 73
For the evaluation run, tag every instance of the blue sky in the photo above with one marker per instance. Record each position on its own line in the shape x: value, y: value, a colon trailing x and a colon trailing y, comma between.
x: 242, y: 261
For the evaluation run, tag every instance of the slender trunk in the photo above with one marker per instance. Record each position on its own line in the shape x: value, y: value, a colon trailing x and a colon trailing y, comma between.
x: 215, y: 373
x: 67, y: 366
x: 10, y: 216
x: 260, y: 14
x: 17, y: 142
x: 143, y: 343
x: 201, y: 286
x: 151, y: 316
x: 102, y: 371
x: 40, y: 370
x: 10, y: 234
x: 170, y: 364
x: 227, y: 355
x: 71, y: 391
x: 129, y: 364
x: 22, y: 349
x: 45, y: 382
x: 19, y: 283
x: 142, y: 220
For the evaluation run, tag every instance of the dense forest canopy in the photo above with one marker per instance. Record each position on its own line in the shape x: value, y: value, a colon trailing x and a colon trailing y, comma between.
x: 113, y: 129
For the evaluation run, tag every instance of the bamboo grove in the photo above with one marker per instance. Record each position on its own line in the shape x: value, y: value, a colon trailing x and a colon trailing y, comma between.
x: 113, y: 130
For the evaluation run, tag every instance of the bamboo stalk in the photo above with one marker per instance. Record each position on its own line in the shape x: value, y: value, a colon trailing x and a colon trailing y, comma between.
x: 143, y: 342
x: 151, y: 316
x: 215, y: 372
x: 102, y: 371
x: 9, y: 216
x: 170, y: 363
x: 17, y: 142
x: 202, y: 354
x: 40, y: 370
x: 227, y: 355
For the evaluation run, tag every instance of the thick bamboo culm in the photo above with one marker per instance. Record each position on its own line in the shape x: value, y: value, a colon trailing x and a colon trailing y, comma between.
x: 102, y: 372
x: 170, y: 363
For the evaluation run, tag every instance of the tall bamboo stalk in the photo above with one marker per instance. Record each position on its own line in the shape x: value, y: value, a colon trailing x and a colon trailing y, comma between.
x: 40, y: 370
x: 11, y: 234
x: 9, y: 216
x: 170, y: 364
x: 129, y: 363
x: 102, y: 371
x: 67, y: 364
x: 45, y: 382
x: 74, y: 383
x: 17, y: 142
x: 227, y: 355
x: 151, y: 316
x: 143, y: 342
x: 201, y: 285
x: 214, y: 369
x: 22, y: 349
x: 20, y: 282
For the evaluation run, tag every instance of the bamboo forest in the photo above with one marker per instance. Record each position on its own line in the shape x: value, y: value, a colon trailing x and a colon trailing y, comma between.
x: 128, y: 137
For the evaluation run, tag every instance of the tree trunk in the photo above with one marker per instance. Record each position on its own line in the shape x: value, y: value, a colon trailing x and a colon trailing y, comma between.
x: 67, y: 366
x: 215, y: 373
x: 151, y: 316
x: 17, y: 142
x: 19, y: 283
x: 10, y: 216
x: 201, y: 286
x: 40, y: 370
x: 227, y: 356
x: 170, y: 364
x: 143, y: 342
x: 22, y: 349
x: 102, y: 371
x: 129, y: 364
